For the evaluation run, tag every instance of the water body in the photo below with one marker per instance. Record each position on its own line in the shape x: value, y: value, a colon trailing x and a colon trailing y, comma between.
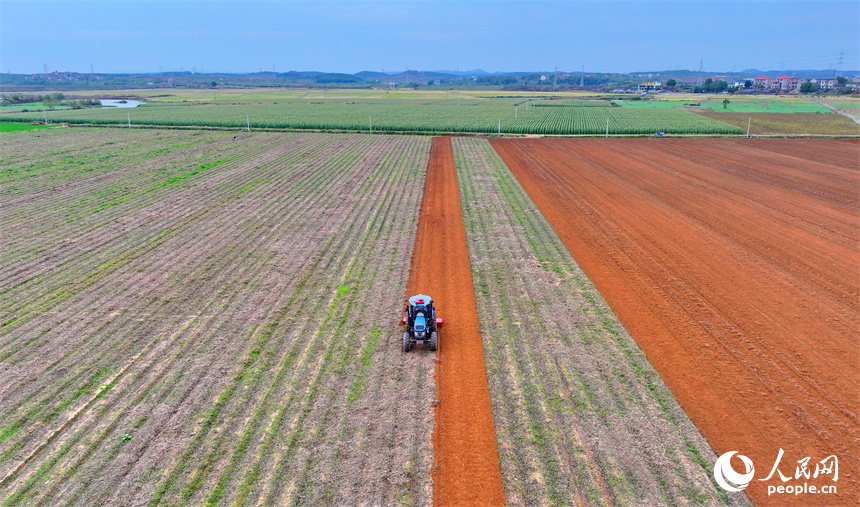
x: 120, y: 103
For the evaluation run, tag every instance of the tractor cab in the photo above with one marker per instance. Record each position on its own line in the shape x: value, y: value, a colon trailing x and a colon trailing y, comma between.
x: 421, y: 323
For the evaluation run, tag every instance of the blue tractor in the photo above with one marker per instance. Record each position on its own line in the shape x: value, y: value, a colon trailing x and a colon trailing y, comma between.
x: 422, y: 325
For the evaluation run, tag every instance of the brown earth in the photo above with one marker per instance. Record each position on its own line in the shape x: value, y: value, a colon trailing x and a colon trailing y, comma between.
x: 733, y: 264
x: 467, y: 462
x: 581, y: 416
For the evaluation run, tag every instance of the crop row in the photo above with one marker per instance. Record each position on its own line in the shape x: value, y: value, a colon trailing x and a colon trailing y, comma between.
x: 484, y: 116
x: 219, y: 337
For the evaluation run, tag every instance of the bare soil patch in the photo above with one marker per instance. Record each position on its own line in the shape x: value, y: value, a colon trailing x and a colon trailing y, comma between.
x: 734, y: 267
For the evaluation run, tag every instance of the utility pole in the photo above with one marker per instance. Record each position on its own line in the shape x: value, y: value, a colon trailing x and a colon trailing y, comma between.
x: 607, y: 127
x: 248, y: 119
x: 45, y: 66
x: 516, y: 112
x: 701, y: 73
x: 749, y: 122
x: 554, y: 77
x: 839, y: 64
x: 500, y: 125
x: 371, y: 124
x: 129, y: 118
x: 582, y: 77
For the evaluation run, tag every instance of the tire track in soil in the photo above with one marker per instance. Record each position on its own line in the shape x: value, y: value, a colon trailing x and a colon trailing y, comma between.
x: 466, y: 469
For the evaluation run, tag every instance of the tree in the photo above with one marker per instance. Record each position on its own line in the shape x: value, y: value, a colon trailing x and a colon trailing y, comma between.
x: 430, y: 83
x: 808, y: 87
x: 841, y: 80
x: 748, y: 84
x: 726, y: 103
x: 671, y: 83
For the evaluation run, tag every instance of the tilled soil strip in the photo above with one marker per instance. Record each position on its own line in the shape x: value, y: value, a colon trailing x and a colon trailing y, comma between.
x: 467, y: 462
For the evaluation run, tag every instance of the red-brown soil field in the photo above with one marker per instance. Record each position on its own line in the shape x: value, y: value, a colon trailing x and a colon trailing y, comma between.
x: 734, y: 265
x: 581, y: 416
x: 467, y: 462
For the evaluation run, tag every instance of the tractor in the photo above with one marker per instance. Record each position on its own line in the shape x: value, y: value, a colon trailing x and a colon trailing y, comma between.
x: 422, y: 325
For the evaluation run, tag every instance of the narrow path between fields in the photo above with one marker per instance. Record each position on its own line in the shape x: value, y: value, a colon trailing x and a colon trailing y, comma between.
x: 467, y: 468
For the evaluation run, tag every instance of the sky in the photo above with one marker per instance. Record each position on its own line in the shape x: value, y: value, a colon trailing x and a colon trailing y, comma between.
x: 392, y: 36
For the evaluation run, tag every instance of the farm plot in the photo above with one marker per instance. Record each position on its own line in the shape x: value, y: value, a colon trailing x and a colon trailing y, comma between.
x: 193, y: 318
x: 405, y: 115
x: 826, y: 124
x: 733, y: 264
x: 466, y: 468
x: 581, y: 417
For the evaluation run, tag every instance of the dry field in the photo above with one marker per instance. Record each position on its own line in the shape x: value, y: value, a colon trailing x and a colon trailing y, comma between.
x: 733, y: 264
x: 581, y: 416
x: 193, y: 318
x: 210, y: 318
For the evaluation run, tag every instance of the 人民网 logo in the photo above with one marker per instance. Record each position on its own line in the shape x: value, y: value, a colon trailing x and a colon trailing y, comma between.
x: 725, y: 474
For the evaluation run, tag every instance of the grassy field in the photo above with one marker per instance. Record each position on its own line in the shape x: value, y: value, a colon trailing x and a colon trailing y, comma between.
x: 14, y: 127
x: 189, y: 318
x: 581, y: 416
x: 519, y: 116
x: 738, y: 104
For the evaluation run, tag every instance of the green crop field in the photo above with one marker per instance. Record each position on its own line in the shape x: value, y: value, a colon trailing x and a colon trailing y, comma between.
x: 33, y: 107
x: 438, y: 115
x: 736, y: 105
x: 13, y: 127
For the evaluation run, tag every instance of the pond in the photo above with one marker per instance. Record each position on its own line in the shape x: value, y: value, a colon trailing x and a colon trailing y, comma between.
x: 120, y: 103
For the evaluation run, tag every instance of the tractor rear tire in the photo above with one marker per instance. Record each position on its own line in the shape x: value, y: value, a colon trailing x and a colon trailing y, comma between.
x: 434, y: 341
x: 407, y: 344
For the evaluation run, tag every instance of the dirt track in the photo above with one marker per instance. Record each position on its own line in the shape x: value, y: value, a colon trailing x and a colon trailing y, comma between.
x: 467, y: 463
x: 733, y: 263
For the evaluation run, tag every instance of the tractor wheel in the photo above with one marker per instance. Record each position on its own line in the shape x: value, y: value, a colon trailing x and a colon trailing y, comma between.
x: 407, y: 346
x: 434, y: 341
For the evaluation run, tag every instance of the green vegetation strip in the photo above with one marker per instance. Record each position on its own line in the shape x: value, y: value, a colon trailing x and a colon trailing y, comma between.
x: 585, y: 117
x: 14, y: 127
